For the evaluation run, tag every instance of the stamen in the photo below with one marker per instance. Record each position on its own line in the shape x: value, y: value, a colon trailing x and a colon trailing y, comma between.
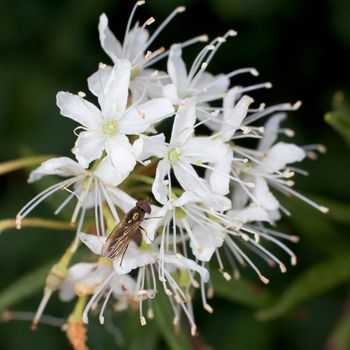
x: 101, y: 316
x: 41, y: 308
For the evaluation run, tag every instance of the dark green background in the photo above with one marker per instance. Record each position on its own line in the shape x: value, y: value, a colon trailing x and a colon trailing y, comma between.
x: 302, y: 47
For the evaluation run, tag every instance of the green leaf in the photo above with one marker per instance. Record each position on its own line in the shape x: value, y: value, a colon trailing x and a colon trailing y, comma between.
x: 316, y: 280
x: 339, y: 119
x: 24, y: 287
x: 318, y: 231
x: 21, y: 163
x: 338, y: 211
x: 340, y: 338
x: 240, y: 291
x: 163, y: 318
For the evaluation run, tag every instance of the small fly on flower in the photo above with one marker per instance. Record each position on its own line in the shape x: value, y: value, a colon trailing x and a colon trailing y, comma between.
x: 129, y: 228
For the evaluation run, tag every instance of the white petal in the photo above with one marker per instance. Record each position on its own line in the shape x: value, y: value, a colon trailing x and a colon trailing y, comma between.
x: 98, y: 81
x: 271, y: 131
x: 176, y: 67
x: 135, y: 44
x: 133, y: 259
x: 114, y: 96
x: 282, y: 154
x: 188, y: 177
x: 153, y: 222
x: 121, y: 199
x: 235, y: 117
x: 78, y: 109
x: 140, y: 118
x: 184, y: 122
x: 263, y: 195
x: 212, y: 87
x: 204, y: 149
x: 205, y: 243
x: 170, y: 92
x: 249, y: 214
x: 148, y: 146
x: 108, y: 174
x: 186, y: 197
x: 219, y: 180
x: 121, y: 154
x: 124, y: 285
x: 61, y: 166
x: 190, y: 181
x: 230, y: 100
x: 187, y: 264
x: 108, y: 41
x: 159, y: 189
x: 93, y: 242
x: 88, y: 147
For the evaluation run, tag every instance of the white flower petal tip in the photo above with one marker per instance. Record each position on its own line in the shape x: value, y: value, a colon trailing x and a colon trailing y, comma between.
x: 94, y: 243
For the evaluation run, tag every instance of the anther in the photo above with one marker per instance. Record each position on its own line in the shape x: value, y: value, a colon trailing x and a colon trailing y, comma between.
x: 208, y: 308
x: 150, y: 314
x: 81, y: 94
x: 231, y: 32
x: 289, y: 132
x: 143, y: 321
x: 283, y: 268
x: 293, y: 260
x: 150, y: 21
x: 324, y: 210
x: 101, y: 319
x: 203, y: 38
x: 264, y: 279
x: 226, y: 275
x: 180, y: 9
x: 297, y: 105
x: 18, y: 222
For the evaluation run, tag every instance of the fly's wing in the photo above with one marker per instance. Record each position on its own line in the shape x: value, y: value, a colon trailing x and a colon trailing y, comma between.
x: 119, y: 240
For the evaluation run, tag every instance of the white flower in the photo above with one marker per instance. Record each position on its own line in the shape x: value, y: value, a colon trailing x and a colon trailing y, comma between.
x: 149, y: 261
x: 95, y: 279
x: 182, y: 152
x: 91, y: 188
x: 195, y: 83
x: 107, y: 129
x: 136, y: 40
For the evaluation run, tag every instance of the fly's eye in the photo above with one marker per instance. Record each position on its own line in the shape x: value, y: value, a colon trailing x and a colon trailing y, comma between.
x: 135, y: 216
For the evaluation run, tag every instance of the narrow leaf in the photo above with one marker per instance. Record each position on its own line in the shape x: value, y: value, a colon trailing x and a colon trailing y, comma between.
x: 163, y: 318
x: 8, y: 224
x: 340, y: 339
x: 25, y: 286
x: 339, y: 119
x: 240, y: 291
x: 21, y: 163
x: 316, y: 280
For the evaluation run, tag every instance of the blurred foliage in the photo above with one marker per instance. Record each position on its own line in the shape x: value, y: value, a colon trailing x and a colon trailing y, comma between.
x: 304, y: 49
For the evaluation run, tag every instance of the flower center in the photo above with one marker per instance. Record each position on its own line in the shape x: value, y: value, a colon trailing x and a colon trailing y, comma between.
x: 174, y: 155
x: 135, y: 71
x: 180, y: 213
x: 110, y: 127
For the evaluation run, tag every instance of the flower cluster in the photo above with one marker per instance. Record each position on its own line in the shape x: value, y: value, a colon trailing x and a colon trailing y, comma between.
x: 214, y: 190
